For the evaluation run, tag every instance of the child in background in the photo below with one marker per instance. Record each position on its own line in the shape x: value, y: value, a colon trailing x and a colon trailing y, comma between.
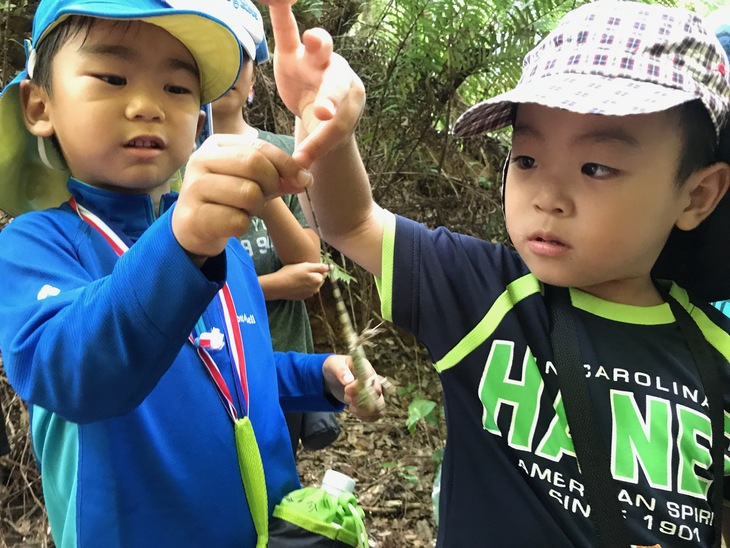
x: 285, y: 252
x: 616, y: 182
x: 131, y: 320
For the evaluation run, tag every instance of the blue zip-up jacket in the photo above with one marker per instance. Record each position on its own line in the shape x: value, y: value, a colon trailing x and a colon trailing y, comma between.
x: 134, y: 444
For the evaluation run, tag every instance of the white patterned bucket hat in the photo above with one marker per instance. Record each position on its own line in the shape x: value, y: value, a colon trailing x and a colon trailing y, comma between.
x: 616, y: 58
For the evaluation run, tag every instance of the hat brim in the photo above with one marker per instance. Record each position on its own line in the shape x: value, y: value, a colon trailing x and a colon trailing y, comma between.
x: 212, y: 43
x: 579, y: 93
x: 242, y: 16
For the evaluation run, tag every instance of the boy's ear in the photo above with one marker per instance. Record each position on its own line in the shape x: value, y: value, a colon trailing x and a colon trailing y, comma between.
x: 34, y: 103
x: 707, y: 187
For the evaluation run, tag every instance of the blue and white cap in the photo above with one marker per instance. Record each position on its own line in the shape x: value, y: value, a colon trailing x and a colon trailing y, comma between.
x: 32, y: 175
x: 242, y: 16
x: 719, y: 21
x: 262, y: 52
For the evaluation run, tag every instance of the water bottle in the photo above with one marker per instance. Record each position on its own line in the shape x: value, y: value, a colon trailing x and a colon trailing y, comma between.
x: 326, y: 516
x: 336, y: 483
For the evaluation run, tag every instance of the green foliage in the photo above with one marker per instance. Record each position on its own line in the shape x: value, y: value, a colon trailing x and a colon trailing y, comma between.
x: 703, y: 7
x: 408, y: 472
x: 309, y: 8
x: 421, y: 410
x: 338, y: 272
x: 15, y: 25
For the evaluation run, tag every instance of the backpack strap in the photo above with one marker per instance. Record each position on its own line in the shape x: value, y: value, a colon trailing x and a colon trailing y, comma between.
x: 709, y: 370
x: 590, y: 448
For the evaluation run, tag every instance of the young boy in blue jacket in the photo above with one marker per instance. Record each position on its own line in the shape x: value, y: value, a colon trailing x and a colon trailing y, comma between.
x: 616, y: 182
x: 130, y: 320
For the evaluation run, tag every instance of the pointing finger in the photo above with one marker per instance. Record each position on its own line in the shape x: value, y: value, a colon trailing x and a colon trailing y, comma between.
x: 286, y: 31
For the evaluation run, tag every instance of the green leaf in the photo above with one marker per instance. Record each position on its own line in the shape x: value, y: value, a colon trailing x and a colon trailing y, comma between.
x: 419, y: 410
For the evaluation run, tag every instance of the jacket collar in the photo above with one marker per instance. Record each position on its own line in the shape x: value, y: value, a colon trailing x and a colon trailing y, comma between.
x: 131, y: 214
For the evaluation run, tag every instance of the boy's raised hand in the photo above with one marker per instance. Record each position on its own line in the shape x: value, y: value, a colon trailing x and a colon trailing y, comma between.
x: 315, y: 84
x: 227, y: 182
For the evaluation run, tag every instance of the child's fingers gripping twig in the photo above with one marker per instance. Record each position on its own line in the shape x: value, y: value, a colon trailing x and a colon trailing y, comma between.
x: 228, y: 180
x: 365, y: 339
x: 367, y: 398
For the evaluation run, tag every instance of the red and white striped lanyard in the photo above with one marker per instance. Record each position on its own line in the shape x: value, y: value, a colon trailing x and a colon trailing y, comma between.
x: 230, y: 316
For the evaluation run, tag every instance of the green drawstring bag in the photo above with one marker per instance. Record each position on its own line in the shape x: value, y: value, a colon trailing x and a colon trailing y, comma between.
x: 319, y: 517
x: 313, y: 517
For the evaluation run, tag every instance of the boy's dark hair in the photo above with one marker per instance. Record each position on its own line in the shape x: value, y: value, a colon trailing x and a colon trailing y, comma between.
x: 56, y: 38
x: 699, y: 141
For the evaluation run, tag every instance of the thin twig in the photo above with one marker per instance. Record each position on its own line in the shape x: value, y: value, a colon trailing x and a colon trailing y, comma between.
x: 367, y: 398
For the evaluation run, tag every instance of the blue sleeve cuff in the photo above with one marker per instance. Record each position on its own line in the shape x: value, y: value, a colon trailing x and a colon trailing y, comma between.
x: 301, y: 383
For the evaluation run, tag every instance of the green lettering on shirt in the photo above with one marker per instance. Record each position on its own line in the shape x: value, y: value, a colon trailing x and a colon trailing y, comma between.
x: 497, y: 389
x: 693, y: 425
x: 641, y: 443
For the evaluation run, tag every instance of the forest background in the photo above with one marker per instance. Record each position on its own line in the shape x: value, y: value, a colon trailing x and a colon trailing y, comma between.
x: 422, y: 62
